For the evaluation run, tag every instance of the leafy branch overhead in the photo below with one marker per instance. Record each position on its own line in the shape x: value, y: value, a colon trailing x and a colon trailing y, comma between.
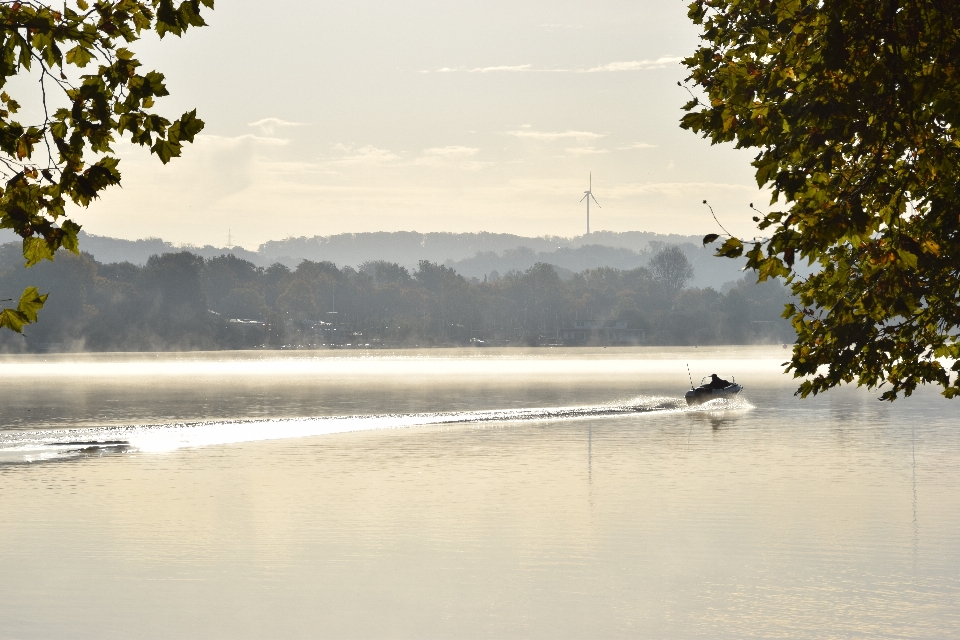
x: 91, y: 90
x: 852, y: 108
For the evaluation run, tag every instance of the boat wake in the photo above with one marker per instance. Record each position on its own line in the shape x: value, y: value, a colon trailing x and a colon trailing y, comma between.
x: 35, y: 446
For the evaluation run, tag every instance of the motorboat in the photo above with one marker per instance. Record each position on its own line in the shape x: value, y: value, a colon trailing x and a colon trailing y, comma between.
x: 708, y: 391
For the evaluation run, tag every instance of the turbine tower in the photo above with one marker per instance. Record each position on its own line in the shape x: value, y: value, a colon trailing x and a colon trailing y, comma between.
x: 587, y: 195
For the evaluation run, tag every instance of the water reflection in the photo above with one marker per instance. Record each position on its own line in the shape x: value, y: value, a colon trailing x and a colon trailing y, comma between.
x: 717, y: 419
x: 788, y: 519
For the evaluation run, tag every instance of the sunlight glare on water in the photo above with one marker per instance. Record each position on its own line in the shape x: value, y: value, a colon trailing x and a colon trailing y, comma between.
x: 30, y: 446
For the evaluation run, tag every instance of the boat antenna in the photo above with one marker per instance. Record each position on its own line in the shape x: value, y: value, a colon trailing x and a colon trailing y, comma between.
x: 689, y: 375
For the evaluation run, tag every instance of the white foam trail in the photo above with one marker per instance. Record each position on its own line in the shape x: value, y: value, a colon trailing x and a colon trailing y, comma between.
x: 53, y: 444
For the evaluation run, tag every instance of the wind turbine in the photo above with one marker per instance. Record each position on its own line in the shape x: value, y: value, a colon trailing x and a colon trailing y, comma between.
x: 587, y: 195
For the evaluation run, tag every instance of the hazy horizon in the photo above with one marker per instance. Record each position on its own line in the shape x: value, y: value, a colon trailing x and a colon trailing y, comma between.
x: 435, y: 117
x: 470, y: 254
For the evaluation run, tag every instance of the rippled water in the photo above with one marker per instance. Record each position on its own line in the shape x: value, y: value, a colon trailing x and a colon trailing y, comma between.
x: 542, y: 493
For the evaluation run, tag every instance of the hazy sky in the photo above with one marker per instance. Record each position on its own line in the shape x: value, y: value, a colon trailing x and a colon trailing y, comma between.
x: 431, y: 116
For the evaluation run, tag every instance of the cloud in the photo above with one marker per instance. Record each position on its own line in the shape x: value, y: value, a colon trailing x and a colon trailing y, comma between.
x: 556, y: 135
x: 451, y: 152
x: 247, y: 138
x: 371, y: 156
x: 453, y: 156
x: 635, y: 65
x: 519, y: 67
x: 585, y: 151
x: 676, y: 188
x: 269, y: 125
x: 504, y: 67
x: 364, y: 155
x: 638, y: 145
x: 211, y: 171
x: 625, y: 65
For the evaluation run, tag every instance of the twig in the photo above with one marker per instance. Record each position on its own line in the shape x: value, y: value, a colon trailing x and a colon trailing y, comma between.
x: 687, y: 89
x: 715, y: 219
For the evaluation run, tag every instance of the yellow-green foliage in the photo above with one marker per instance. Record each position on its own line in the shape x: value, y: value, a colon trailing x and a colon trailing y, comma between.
x: 852, y: 108
x: 76, y: 52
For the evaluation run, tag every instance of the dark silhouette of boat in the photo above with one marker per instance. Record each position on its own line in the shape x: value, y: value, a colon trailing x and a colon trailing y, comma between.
x: 716, y: 388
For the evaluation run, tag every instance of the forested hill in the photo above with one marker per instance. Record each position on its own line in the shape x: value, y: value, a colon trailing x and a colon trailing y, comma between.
x: 470, y: 254
x: 409, y: 247
x: 185, y: 301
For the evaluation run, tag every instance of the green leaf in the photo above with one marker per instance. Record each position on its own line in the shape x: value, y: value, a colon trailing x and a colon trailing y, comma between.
x: 69, y: 241
x: 30, y: 303
x: 167, y: 19
x: 36, y: 249
x: 79, y: 56
x: 184, y: 129
x: 710, y: 237
x: 765, y: 172
x: 908, y: 258
x: 165, y: 150
x: 732, y: 248
x: 13, y: 319
x: 58, y: 129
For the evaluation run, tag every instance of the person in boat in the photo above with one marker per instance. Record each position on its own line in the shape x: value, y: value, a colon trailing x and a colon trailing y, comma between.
x: 717, y: 382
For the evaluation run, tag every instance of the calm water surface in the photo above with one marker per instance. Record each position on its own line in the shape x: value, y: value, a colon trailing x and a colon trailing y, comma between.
x: 557, y: 493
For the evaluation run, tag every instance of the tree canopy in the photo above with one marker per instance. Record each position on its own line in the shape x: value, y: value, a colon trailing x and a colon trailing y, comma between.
x: 852, y: 108
x: 672, y: 268
x: 182, y: 301
x: 90, y: 91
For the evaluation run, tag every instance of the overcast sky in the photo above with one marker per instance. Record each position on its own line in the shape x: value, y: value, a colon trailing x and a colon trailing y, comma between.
x: 368, y: 115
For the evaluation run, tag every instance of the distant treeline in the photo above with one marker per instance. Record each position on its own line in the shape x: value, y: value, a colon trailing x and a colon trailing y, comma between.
x: 470, y: 254
x: 182, y: 301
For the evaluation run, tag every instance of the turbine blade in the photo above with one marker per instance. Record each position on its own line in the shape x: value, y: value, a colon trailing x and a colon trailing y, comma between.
x: 584, y: 197
x: 595, y: 200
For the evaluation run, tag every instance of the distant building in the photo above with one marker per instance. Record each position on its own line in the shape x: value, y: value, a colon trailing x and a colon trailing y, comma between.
x: 241, y: 333
x: 601, y: 333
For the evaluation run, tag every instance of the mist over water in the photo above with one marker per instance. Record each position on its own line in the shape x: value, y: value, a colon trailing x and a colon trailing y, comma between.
x: 503, y: 493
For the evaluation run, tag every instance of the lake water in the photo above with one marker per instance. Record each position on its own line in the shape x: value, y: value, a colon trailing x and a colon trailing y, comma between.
x: 549, y: 493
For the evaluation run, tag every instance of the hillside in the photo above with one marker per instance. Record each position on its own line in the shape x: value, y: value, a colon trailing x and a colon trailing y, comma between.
x: 474, y: 255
